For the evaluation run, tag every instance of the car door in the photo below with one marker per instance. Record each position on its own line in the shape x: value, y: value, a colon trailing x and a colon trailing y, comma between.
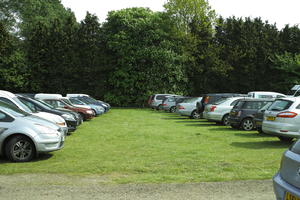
x: 5, y: 123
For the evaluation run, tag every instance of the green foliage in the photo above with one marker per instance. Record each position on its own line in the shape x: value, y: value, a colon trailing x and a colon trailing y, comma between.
x: 143, y: 57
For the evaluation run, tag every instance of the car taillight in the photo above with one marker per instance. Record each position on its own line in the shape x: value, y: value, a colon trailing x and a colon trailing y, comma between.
x: 287, y: 115
x: 212, y: 108
x: 164, y: 104
x: 181, y: 107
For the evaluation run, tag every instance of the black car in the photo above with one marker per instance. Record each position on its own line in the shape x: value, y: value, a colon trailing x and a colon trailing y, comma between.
x: 242, y: 114
x: 71, y: 119
x: 212, y: 98
x: 259, y: 116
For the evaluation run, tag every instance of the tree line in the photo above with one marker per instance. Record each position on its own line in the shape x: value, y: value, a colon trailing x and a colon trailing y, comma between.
x: 186, y: 49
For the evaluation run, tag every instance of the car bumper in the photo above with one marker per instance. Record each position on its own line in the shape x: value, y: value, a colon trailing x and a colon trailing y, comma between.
x: 281, y: 129
x: 184, y: 112
x: 214, y: 116
x: 46, y: 143
x: 281, y: 187
x: 235, y: 121
x: 72, y: 125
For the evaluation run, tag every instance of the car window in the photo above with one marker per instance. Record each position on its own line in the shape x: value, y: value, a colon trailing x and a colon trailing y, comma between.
x: 220, y: 101
x: 60, y: 104
x: 171, y: 99
x: 234, y: 102
x: 280, y: 105
x: 32, y: 106
x: 52, y: 103
x: 12, y: 110
x: 160, y: 97
x: 239, y: 104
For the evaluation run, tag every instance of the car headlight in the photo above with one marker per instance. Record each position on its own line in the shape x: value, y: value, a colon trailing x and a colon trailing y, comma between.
x: 44, y: 129
x: 68, y: 117
x: 89, y: 112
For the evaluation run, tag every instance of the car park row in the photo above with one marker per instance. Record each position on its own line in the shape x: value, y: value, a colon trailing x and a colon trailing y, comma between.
x: 269, y: 113
x: 31, y: 124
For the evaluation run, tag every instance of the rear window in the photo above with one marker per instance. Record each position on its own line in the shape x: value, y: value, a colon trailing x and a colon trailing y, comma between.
x: 238, y: 104
x: 280, y: 105
x: 220, y: 101
x: 254, y: 105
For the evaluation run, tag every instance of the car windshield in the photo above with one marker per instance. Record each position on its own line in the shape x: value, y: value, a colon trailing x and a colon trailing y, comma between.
x: 16, y: 112
x: 76, y: 101
x: 22, y: 105
x: 44, y: 104
x: 280, y: 105
x: 67, y: 101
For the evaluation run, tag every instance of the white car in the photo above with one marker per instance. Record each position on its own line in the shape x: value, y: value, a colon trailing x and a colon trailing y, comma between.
x: 282, y: 119
x: 188, y: 107
x: 219, y: 111
x: 13, y: 100
x: 265, y: 94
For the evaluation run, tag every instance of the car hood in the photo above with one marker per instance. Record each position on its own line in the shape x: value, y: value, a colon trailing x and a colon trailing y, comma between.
x: 32, y: 119
x: 50, y: 117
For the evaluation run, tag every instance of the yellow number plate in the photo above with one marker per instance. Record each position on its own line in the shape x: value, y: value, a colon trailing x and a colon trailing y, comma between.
x: 270, y: 118
x: 289, y: 196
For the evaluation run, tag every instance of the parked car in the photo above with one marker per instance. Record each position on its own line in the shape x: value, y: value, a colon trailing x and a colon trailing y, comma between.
x: 282, y: 119
x: 90, y: 100
x: 57, y: 102
x: 169, y: 104
x: 188, y: 107
x: 23, y: 136
x: 212, y: 98
x: 259, y: 117
x: 99, y: 110
x: 286, y: 182
x: 242, y: 114
x: 219, y: 111
x: 264, y: 94
x: 156, y: 100
x: 36, y: 105
x: 13, y: 100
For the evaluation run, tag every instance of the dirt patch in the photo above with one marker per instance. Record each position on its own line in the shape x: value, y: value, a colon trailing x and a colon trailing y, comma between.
x: 34, y: 186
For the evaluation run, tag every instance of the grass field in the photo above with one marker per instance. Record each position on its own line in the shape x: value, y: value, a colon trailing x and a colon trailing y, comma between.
x: 145, y: 146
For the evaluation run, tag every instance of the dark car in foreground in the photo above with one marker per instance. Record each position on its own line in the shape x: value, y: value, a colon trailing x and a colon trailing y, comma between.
x: 259, y: 117
x: 286, y: 182
x: 242, y: 114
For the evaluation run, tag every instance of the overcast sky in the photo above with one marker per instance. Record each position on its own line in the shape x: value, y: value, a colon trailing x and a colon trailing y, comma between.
x: 280, y: 12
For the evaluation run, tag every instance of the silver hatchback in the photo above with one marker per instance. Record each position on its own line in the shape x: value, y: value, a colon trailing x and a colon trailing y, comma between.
x: 287, y: 181
x: 23, y: 136
x: 282, y: 119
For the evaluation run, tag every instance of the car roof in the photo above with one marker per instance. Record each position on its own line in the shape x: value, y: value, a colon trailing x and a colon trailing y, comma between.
x: 48, y: 96
x: 7, y: 94
x: 257, y: 99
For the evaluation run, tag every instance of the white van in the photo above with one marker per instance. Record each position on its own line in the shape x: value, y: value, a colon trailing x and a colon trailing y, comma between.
x: 264, y: 94
x: 13, y: 100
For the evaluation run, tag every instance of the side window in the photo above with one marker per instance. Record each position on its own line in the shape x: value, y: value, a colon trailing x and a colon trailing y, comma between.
x: 31, y: 105
x: 234, y: 102
x: 298, y: 107
x: 5, y: 118
x: 7, y: 101
x: 60, y: 104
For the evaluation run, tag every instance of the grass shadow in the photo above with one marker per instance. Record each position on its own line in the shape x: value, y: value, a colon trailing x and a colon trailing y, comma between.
x: 173, y: 118
x: 190, y: 121
x: 255, y: 134
x: 262, y: 145
x: 223, y: 128
x: 41, y: 157
x: 202, y: 125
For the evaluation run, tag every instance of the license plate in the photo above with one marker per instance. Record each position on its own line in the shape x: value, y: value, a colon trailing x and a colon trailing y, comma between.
x: 289, y: 196
x: 270, y: 118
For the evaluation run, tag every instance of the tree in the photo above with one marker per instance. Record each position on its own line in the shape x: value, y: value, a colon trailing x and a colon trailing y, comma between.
x: 143, y: 57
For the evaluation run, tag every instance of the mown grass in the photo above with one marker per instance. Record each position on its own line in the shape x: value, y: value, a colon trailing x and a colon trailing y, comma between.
x: 141, y: 145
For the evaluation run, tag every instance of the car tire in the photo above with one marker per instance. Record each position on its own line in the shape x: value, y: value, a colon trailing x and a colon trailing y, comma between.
x: 172, y: 109
x: 247, y: 124
x: 225, y: 120
x: 195, y: 115
x: 20, y: 149
x: 285, y: 139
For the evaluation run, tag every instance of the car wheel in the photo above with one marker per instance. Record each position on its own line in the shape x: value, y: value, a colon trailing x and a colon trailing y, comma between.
x: 20, y: 149
x: 285, y: 139
x: 172, y: 109
x: 195, y: 115
x: 225, y: 120
x: 247, y: 124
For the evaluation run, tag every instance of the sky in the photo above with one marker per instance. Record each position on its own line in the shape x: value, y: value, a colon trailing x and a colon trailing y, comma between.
x: 281, y: 12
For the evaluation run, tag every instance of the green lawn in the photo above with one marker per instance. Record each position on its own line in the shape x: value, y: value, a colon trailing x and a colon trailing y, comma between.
x: 141, y: 145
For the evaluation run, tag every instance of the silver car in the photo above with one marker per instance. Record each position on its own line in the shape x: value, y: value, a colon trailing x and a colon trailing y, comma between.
x: 219, y: 111
x: 155, y: 100
x: 286, y: 182
x: 282, y: 119
x: 188, y: 107
x: 23, y: 136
